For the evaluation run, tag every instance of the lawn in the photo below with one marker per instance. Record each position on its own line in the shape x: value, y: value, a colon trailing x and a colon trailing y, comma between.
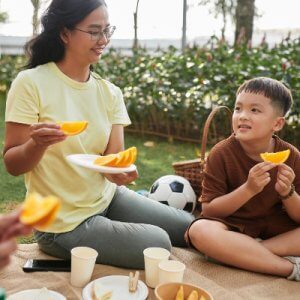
x: 152, y: 162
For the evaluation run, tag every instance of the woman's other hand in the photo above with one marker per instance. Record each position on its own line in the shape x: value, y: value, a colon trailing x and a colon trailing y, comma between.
x: 122, y: 178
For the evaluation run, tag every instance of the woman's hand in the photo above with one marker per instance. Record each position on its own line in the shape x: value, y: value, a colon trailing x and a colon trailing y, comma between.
x: 285, y: 178
x: 259, y: 177
x: 46, y: 134
x: 122, y: 178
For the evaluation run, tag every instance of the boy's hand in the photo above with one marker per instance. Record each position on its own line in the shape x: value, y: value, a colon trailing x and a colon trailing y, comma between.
x: 259, y: 177
x: 285, y: 178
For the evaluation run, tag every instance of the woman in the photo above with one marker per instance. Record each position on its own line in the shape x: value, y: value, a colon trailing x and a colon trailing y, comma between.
x: 97, y: 210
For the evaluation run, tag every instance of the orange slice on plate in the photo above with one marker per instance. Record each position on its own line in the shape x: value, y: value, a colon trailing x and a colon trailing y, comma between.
x: 39, y: 211
x: 276, y: 157
x: 122, y: 159
x: 127, y: 157
x: 73, y: 128
x: 107, y: 160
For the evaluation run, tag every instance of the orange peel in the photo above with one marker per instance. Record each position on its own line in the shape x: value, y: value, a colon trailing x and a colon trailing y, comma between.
x: 73, y: 128
x: 276, y: 157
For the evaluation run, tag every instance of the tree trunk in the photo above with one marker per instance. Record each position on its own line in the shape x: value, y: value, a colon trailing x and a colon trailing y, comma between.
x: 224, y: 20
x: 183, y: 39
x: 244, y: 16
x: 135, y: 19
x: 35, y: 17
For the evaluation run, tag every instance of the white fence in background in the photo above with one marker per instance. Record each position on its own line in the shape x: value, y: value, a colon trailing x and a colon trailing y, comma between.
x: 14, y: 45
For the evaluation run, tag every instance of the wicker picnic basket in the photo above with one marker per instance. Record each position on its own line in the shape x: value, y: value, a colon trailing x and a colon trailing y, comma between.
x: 192, y: 170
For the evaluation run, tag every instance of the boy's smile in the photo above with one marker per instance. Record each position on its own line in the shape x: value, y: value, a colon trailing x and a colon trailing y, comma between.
x: 255, y: 119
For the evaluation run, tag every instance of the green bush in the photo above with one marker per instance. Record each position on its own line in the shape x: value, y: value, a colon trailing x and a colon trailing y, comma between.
x: 171, y: 93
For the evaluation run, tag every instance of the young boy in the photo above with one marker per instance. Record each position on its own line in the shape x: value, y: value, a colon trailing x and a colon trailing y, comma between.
x: 245, y: 198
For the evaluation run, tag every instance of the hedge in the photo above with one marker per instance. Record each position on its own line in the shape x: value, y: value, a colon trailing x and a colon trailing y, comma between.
x: 171, y: 94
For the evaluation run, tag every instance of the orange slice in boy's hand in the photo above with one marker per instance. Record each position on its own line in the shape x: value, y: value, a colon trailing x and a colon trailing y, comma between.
x: 73, y: 128
x: 39, y: 212
x: 276, y: 157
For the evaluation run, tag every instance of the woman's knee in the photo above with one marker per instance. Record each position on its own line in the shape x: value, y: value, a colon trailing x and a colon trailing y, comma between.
x: 158, y: 238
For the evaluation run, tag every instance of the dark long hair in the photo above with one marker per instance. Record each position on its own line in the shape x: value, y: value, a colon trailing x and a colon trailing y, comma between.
x: 48, y: 46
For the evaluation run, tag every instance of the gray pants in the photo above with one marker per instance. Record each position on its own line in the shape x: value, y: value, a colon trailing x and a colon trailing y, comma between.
x: 130, y: 224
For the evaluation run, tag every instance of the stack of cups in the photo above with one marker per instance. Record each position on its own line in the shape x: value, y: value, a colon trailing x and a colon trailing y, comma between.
x: 159, y: 269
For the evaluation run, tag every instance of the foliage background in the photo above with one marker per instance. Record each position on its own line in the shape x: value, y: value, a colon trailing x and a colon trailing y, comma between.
x: 171, y: 94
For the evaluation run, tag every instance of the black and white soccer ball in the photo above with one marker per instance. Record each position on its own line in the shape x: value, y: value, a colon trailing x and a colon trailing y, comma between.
x: 174, y: 191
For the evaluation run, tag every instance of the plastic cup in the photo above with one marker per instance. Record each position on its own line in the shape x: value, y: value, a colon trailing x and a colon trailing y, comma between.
x: 170, y: 271
x: 153, y: 256
x: 82, y: 265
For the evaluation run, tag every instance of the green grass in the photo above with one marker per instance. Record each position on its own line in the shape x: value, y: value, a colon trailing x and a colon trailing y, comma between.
x: 152, y: 163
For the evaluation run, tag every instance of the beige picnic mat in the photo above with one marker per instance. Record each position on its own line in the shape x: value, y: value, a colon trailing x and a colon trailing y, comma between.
x: 222, y: 282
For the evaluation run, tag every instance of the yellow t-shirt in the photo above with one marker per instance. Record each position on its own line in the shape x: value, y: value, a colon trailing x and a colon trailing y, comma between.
x: 45, y: 94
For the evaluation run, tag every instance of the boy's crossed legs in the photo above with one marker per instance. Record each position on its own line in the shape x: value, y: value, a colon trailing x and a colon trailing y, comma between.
x: 214, y: 239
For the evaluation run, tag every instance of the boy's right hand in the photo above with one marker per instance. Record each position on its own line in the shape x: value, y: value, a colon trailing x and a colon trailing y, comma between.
x: 46, y: 134
x: 259, y: 177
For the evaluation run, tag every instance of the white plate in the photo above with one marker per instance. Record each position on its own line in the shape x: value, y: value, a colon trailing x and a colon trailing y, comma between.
x: 34, y: 293
x: 119, y: 286
x: 87, y: 161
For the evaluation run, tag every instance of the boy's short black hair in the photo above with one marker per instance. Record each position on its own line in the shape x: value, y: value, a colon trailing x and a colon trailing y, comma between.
x: 279, y: 94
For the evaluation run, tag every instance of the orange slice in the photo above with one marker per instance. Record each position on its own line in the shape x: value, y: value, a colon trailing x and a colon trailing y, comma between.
x: 128, y: 157
x: 124, y: 159
x: 107, y: 160
x: 39, y: 211
x: 276, y: 157
x: 48, y: 220
x: 73, y: 128
x: 120, y: 160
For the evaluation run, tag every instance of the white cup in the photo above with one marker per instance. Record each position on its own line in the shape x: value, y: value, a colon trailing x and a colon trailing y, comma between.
x: 153, y: 256
x: 82, y: 265
x: 170, y: 271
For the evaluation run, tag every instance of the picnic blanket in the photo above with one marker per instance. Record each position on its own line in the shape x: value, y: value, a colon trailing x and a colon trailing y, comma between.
x: 221, y: 281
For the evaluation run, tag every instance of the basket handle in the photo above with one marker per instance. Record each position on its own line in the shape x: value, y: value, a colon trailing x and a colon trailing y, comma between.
x: 206, y: 128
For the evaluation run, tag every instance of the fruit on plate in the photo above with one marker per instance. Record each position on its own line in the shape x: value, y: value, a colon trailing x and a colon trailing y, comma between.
x: 193, y: 295
x: 73, y: 128
x: 122, y: 159
x: 39, y: 212
x: 180, y: 294
x: 276, y: 157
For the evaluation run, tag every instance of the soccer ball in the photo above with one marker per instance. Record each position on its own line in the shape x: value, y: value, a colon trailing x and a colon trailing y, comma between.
x: 174, y: 191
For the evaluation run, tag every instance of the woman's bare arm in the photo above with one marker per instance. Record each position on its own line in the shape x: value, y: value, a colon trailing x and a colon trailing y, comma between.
x: 25, y: 145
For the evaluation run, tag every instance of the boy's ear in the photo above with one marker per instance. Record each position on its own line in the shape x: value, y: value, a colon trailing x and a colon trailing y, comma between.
x: 279, y: 123
x: 64, y: 35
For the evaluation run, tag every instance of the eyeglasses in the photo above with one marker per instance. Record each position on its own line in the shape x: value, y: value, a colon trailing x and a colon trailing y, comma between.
x: 99, y: 35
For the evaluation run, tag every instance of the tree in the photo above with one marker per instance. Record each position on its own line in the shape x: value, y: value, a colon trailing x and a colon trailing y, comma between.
x: 35, y: 17
x: 135, y: 15
x: 183, y: 39
x: 3, y: 16
x: 241, y: 12
x: 37, y: 5
x: 224, y: 8
x: 244, y: 16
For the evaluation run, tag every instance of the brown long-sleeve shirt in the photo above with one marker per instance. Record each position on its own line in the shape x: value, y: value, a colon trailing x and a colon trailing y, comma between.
x: 228, y: 167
